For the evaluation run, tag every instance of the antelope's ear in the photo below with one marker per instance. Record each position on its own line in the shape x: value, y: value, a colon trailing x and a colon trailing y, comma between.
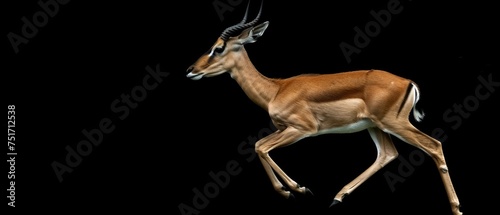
x: 250, y: 35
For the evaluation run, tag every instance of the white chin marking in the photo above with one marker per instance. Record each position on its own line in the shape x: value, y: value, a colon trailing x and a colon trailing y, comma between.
x: 194, y: 76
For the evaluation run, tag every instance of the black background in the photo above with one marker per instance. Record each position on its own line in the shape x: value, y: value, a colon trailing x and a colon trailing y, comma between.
x: 66, y: 77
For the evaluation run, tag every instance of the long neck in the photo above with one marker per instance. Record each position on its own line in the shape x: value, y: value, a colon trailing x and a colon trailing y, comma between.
x: 259, y: 88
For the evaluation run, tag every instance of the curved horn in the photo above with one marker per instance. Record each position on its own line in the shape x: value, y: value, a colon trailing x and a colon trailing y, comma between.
x: 232, y: 29
x: 246, y: 15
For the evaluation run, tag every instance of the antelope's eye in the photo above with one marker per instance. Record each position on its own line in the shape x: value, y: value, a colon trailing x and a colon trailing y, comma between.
x: 218, y: 50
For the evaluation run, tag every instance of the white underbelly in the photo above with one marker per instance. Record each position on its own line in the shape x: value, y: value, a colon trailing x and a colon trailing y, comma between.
x: 349, y: 128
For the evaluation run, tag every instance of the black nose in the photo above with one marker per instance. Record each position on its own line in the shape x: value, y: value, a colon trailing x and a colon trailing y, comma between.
x: 190, y: 69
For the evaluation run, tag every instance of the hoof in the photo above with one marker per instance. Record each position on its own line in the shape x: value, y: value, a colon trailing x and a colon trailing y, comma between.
x: 291, y: 197
x: 334, y: 202
x: 309, y: 192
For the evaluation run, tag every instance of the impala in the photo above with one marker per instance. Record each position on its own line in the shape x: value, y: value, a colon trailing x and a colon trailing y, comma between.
x: 314, y: 104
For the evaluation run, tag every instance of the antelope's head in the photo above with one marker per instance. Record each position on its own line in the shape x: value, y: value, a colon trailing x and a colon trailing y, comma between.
x: 223, y: 56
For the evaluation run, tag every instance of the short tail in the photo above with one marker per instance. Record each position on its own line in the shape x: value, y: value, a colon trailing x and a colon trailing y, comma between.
x: 413, y: 89
x: 418, y: 115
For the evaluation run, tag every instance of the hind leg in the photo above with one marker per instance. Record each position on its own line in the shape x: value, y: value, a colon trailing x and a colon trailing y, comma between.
x: 386, y: 153
x: 408, y: 133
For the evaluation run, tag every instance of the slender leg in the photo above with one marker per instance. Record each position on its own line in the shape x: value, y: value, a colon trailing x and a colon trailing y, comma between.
x: 278, y: 186
x: 386, y: 153
x: 275, y: 140
x: 431, y: 146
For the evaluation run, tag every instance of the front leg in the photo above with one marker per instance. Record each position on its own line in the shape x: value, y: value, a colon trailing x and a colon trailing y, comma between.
x: 278, y: 186
x: 275, y: 140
